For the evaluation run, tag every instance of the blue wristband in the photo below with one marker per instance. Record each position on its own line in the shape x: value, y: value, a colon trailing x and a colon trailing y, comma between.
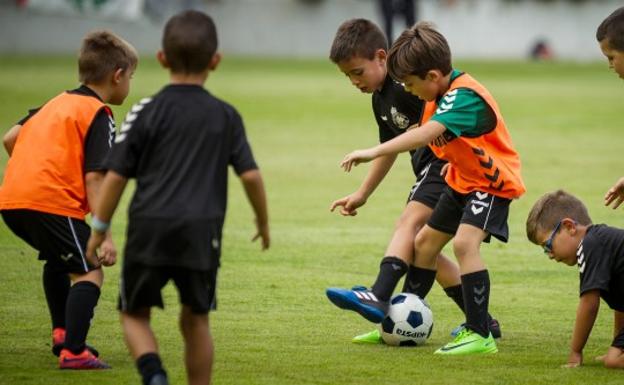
x: 99, y: 225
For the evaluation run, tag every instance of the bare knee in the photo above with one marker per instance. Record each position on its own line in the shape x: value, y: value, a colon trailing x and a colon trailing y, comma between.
x: 190, y: 321
x: 614, y: 359
x: 464, y: 247
x: 410, y: 221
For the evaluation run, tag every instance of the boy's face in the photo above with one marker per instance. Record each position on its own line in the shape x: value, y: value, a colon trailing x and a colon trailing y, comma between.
x: 427, y: 89
x: 615, y: 57
x: 561, y: 242
x: 122, y: 86
x: 367, y: 75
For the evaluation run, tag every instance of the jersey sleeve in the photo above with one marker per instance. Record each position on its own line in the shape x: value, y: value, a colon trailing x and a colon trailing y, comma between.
x: 241, y: 157
x: 30, y: 114
x: 99, y: 140
x: 464, y: 113
x: 593, y: 263
x: 126, y: 151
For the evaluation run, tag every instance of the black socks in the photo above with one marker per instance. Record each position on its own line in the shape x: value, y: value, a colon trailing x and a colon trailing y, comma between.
x: 56, y: 286
x: 476, y: 289
x: 149, y: 365
x: 419, y: 281
x: 81, y: 301
x: 391, y: 270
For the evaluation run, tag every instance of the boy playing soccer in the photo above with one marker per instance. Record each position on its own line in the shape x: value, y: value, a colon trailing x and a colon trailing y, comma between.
x: 360, y: 51
x: 560, y: 223
x: 178, y: 145
x: 462, y: 125
x: 610, y: 35
x: 53, y: 176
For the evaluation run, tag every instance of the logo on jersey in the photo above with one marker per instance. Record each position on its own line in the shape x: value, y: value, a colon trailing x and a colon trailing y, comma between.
x: 111, y: 131
x: 130, y: 118
x: 445, y: 138
x: 580, y: 258
x: 400, y: 120
x: 446, y: 104
x: 478, y: 205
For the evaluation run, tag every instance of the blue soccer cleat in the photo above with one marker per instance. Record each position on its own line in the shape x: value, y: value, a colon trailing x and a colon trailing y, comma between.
x: 360, y: 300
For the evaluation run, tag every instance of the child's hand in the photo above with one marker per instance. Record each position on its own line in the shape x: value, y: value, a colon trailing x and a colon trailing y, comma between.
x: 108, y: 252
x: 615, y: 194
x: 574, y: 360
x: 263, y: 234
x: 357, y: 157
x: 95, y: 240
x: 348, y: 204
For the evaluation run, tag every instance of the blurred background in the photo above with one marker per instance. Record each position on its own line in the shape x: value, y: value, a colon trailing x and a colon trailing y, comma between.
x: 476, y: 29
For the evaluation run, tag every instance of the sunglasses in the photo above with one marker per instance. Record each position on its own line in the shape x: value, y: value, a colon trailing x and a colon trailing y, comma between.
x: 547, y: 246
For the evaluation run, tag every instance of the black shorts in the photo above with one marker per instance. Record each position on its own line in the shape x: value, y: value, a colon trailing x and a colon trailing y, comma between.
x: 480, y: 209
x: 429, y: 185
x: 618, y: 341
x: 141, y: 286
x: 60, y: 240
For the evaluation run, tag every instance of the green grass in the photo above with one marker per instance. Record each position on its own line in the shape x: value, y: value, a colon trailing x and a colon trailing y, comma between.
x: 274, y: 324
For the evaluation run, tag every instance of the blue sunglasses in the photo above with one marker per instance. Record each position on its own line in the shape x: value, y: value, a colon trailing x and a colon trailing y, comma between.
x: 547, y: 246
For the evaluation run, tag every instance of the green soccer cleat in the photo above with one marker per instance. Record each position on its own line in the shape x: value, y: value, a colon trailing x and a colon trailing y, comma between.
x: 372, y: 337
x: 469, y: 342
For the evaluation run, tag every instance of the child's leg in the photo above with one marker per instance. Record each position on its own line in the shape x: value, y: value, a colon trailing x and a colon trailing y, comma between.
x: 474, y: 276
x: 199, y: 349
x: 81, y: 301
x: 142, y: 344
x: 428, y: 244
x: 56, y: 285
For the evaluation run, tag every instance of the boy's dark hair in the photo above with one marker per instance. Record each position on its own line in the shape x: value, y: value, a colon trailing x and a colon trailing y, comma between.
x: 189, y: 42
x: 357, y: 38
x: 417, y: 51
x: 612, y: 29
x: 553, y: 207
x: 101, y: 53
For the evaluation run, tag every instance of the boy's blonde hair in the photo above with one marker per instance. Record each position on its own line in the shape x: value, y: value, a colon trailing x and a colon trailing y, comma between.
x: 552, y: 208
x: 417, y: 51
x: 357, y: 38
x: 612, y: 29
x: 102, y: 53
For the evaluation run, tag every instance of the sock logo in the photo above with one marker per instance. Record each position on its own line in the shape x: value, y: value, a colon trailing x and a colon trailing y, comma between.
x: 479, y: 292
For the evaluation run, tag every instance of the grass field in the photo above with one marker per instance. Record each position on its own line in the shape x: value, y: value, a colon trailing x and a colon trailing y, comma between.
x: 274, y: 325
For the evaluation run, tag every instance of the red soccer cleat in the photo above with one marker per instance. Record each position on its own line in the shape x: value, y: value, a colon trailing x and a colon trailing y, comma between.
x: 83, y: 361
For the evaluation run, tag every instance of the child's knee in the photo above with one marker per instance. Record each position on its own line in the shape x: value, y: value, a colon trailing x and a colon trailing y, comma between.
x: 614, y: 358
x: 408, y: 220
x: 464, y: 247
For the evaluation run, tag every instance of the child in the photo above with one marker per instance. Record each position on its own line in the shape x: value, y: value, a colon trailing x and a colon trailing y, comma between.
x: 178, y: 145
x: 53, y: 175
x: 560, y: 223
x: 359, y: 50
x: 462, y: 125
x: 610, y: 35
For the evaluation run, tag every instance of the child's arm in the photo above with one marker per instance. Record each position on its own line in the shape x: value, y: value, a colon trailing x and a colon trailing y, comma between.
x: 108, y: 194
x: 10, y: 138
x: 376, y: 174
x: 409, y: 140
x: 254, y: 188
x: 615, y: 194
x: 586, y: 313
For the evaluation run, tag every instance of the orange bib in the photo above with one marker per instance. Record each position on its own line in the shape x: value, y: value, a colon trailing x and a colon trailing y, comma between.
x: 46, y: 169
x: 486, y: 163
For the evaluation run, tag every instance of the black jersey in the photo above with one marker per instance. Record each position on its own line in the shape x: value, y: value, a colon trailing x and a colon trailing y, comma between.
x: 395, y: 110
x: 178, y: 145
x: 100, y: 135
x: 601, y: 264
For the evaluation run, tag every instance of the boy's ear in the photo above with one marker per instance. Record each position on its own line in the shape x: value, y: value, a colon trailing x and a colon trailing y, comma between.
x: 569, y: 224
x: 117, y: 75
x: 214, y: 62
x: 162, y: 59
x: 433, y: 75
x: 381, y: 54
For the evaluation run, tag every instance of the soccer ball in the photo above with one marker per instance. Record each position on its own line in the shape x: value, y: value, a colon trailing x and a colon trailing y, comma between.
x: 409, y: 321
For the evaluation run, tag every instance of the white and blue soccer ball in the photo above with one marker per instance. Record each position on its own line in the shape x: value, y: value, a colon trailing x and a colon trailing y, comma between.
x: 409, y: 321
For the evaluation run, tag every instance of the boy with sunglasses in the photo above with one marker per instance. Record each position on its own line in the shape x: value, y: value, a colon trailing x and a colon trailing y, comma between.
x: 560, y: 223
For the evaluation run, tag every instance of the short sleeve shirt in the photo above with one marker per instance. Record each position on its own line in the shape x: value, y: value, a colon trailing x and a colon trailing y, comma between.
x: 396, y: 110
x: 600, y: 258
x: 464, y: 113
x: 178, y: 145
